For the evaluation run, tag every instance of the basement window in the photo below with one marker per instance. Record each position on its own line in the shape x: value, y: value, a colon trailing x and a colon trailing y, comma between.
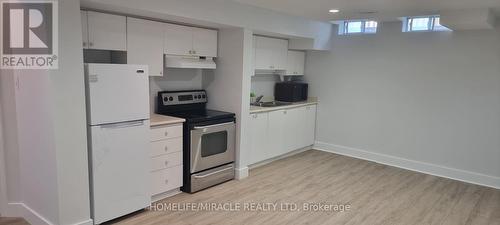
x: 357, y: 27
x: 423, y: 23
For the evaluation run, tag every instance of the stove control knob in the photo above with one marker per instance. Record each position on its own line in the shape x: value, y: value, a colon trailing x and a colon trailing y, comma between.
x: 199, y: 96
x: 170, y: 98
x: 203, y: 96
x: 165, y: 99
x: 195, y: 97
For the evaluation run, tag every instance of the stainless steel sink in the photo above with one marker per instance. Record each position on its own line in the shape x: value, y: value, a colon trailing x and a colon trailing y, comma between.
x: 271, y: 104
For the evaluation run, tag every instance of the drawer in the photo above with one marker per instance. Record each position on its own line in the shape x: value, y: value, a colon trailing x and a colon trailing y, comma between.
x: 166, y: 132
x: 166, y: 161
x: 166, y: 180
x: 166, y: 146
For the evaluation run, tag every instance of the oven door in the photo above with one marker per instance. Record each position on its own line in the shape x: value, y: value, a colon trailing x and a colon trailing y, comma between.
x: 212, y: 146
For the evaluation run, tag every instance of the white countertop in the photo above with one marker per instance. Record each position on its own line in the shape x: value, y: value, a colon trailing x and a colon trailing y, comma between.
x: 258, y: 109
x: 158, y: 120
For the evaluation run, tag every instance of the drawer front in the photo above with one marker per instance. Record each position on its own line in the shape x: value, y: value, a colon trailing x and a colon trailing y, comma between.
x: 166, y: 146
x: 166, y: 180
x: 166, y: 161
x: 162, y: 133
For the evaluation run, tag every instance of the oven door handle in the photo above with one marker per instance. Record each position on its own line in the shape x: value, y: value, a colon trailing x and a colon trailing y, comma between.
x: 212, y: 173
x: 211, y: 126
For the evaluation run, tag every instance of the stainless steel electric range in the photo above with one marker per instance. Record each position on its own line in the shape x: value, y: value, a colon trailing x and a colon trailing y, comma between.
x: 209, y: 138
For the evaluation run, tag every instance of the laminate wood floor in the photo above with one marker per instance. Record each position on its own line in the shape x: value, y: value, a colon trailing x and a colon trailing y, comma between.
x: 12, y: 221
x: 376, y: 194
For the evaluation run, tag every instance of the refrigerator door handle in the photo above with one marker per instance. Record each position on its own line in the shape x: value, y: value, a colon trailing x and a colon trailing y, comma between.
x: 123, y: 124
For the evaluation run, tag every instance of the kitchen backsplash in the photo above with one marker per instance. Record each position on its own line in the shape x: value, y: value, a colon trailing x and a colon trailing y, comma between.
x: 264, y: 85
x: 174, y: 80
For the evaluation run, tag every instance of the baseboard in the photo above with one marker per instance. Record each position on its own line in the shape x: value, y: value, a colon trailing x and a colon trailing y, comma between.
x: 241, y: 173
x: 86, y: 222
x: 21, y: 210
x: 422, y: 167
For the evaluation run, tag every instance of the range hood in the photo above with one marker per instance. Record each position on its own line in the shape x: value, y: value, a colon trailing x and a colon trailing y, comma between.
x: 191, y: 62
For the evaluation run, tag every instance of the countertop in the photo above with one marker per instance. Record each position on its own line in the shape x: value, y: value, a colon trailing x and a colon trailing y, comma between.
x: 258, y: 109
x: 158, y: 120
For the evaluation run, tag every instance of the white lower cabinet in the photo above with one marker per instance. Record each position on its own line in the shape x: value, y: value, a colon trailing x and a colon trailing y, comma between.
x: 259, y: 147
x: 279, y: 132
x: 166, y: 158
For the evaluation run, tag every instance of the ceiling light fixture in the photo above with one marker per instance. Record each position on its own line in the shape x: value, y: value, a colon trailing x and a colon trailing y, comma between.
x: 334, y: 11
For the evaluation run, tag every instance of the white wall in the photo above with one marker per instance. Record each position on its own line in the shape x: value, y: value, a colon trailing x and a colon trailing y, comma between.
x: 225, y: 86
x: 433, y: 98
x: 45, y: 134
x: 69, y: 119
x: 9, y: 120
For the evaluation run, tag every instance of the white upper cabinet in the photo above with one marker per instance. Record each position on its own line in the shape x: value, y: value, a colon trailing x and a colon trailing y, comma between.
x: 106, y: 31
x: 295, y: 63
x: 178, y: 40
x: 85, y: 31
x: 145, y: 44
x: 204, y: 42
x: 270, y: 53
x: 183, y: 40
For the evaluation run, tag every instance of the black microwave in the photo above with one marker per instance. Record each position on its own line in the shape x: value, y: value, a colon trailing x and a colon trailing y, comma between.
x: 290, y: 92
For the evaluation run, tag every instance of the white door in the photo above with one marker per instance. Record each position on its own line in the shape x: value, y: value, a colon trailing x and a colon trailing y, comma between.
x: 120, y: 169
x: 277, y: 132
x: 145, y: 44
x: 295, y: 63
x: 290, y: 63
x: 310, y: 125
x: 259, y: 143
x: 292, y: 130
x: 85, y: 31
x: 300, y: 61
x: 178, y: 40
x: 107, y: 31
x: 280, y: 50
x: 263, y: 53
x: 117, y: 93
x: 204, y: 42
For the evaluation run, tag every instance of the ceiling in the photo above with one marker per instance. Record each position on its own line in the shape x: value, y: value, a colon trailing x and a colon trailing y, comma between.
x: 382, y: 10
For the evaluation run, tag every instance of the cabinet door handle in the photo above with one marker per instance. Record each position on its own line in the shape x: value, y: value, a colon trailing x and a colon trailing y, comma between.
x: 166, y: 148
x: 166, y: 133
x: 166, y: 163
x: 84, y: 44
x: 254, y: 115
x: 91, y: 44
x: 166, y: 181
x: 284, y: 112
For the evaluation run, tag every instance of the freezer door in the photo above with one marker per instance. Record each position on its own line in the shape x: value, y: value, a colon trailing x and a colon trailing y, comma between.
x: 116, y: 93
x: 120, y: 167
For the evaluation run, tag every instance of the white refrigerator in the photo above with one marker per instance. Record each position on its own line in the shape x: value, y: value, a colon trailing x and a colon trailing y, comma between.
x: 118, y: 132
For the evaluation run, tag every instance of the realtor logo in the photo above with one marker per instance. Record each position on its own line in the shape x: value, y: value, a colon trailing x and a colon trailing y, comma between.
x: 29, y: 35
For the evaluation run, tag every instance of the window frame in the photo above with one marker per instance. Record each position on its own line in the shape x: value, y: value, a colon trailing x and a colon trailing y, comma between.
x: 431, y: 24
x: 345, y: 27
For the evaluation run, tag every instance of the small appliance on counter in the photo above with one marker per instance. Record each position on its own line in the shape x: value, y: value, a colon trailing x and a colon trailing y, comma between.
x: 208, y: 138
x: 290, y: 91
x: 118, y: 127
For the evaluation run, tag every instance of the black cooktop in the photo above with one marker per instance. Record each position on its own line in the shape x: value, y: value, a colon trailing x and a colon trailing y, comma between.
x: 195, y: 116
